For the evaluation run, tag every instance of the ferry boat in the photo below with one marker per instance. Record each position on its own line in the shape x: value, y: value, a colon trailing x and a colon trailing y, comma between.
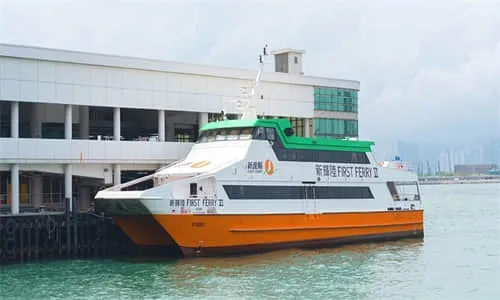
x: 252, y: 185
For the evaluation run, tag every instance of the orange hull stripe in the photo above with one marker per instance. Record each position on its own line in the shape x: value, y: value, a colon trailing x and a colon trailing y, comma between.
x: 228, y: 230
x: 320, y: 227
x: 144, y: 230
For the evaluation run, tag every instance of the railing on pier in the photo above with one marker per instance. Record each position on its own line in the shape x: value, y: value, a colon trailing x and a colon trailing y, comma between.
x: 47, y: 202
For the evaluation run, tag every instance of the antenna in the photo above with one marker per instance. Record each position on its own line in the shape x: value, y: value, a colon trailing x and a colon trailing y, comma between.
x: 249, y: 110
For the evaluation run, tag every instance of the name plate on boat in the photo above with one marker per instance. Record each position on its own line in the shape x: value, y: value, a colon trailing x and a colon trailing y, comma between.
x: 196, y: 202
x: 343, y: 171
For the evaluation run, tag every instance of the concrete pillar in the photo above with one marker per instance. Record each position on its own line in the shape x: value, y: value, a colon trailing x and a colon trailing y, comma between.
x: 84, y: 122
x: 14, y: 188
x: 202, y: 119
x: 161, y: 125
x: 36, y: 120
x: 116, y: 123
x: 68, y: 122
x: 36, y: 190
x: 14, y: 119
x: 68, y: 185
x: 117, y: 174
x: 307, y: 124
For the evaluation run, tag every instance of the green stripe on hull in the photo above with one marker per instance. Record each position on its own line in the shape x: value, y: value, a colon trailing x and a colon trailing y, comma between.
x: 293, y: 142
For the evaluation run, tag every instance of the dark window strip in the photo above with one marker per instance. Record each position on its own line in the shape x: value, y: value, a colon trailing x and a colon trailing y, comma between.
x: 323, y: 156
x: 263, y: 192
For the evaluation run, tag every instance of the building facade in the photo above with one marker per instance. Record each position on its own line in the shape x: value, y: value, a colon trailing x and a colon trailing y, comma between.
x: 71, y: 122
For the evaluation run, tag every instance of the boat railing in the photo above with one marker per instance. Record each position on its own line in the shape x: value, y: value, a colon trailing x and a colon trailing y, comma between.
x: 406, y: 197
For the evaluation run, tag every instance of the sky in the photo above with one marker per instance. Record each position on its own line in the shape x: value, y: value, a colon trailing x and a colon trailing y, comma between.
x: 429, y: 70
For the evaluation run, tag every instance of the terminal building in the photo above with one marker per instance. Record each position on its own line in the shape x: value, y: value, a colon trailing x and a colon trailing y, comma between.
x: 73, y: 122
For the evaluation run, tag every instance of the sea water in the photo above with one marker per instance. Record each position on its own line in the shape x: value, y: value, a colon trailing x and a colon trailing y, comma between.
x: 459, y: 258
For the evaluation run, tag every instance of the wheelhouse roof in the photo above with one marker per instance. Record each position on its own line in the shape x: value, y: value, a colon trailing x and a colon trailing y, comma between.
x: 293, y: 141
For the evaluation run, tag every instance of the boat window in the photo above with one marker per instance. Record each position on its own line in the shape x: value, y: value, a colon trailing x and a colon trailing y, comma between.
x: 270, y: 134
x: 193, y: 189
x: 221, y: 135
x: 246, y: 133
x: 257, y: 192
x: 211, y: 136
x: 324, y: 156
x: 232, y: 134
x: 260, y: 133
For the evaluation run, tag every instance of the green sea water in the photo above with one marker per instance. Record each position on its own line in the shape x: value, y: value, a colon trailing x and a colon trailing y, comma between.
x: 459, y: 258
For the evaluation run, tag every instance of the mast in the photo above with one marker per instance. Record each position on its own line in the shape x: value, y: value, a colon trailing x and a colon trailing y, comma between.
x: 250, y: 109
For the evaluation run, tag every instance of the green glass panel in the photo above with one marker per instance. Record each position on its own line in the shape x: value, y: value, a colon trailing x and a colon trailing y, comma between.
x: 330, y: 126
x: 341, y: 129
x: 335, y: 99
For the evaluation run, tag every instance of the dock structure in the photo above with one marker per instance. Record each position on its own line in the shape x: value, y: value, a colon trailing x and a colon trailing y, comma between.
x: 55, y: 235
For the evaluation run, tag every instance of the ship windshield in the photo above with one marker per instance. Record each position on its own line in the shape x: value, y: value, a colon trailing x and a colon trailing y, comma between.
x: 229, y: 134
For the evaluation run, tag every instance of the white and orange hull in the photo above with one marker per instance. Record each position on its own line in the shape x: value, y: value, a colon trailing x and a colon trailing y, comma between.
x: 204, y: 235
x: 246, y: 200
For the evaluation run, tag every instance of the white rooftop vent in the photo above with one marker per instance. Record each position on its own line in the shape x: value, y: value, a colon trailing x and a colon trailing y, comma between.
x: 288, y: 61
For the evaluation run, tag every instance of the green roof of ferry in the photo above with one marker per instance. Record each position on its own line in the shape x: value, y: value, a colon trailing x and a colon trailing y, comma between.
x: 294, y: 142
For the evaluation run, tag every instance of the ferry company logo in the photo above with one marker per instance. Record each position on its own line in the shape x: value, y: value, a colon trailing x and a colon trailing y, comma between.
x: 269, y: 167
x: 200, y: 164
x: 259, y: 166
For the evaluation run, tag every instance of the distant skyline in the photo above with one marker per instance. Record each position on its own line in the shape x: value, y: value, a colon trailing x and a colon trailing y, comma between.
x: 444, y: 159
x: 429, y: 70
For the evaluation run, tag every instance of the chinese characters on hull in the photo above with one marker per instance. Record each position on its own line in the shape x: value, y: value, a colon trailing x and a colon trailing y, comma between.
x: 255, y: 166
x: 339, y: 171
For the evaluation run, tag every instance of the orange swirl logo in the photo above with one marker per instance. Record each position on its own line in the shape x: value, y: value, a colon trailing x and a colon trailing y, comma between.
x: 269, y: 167
x: 200, y: 164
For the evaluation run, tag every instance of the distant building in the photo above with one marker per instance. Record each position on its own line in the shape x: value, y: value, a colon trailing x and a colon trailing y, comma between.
x: 474, y: 169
